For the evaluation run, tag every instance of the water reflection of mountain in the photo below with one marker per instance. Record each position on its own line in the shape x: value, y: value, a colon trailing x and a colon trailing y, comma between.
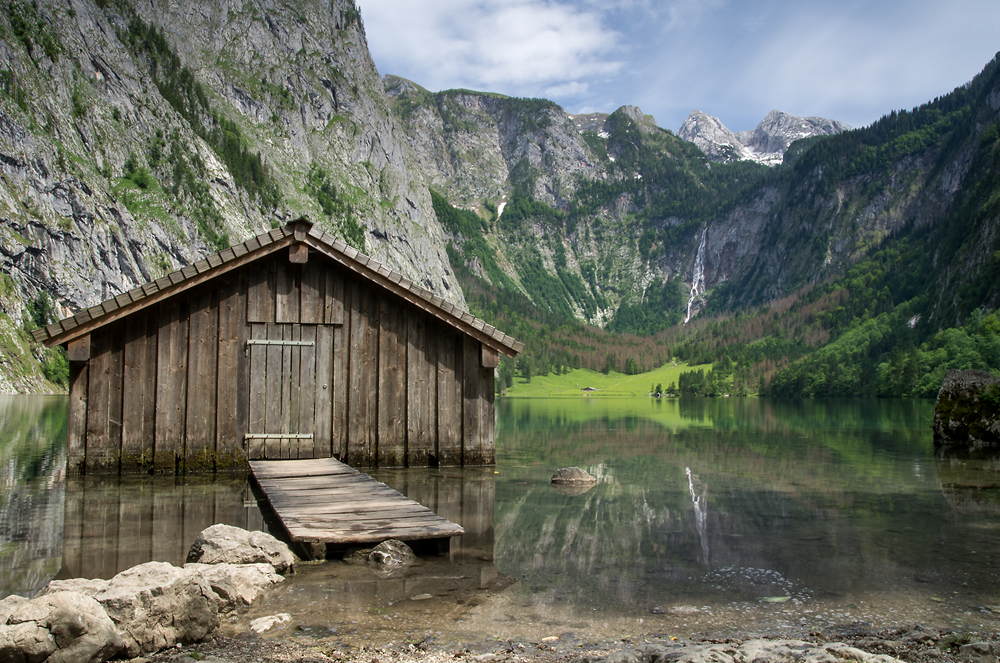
x: 32, y: 453
x: 829, y: 502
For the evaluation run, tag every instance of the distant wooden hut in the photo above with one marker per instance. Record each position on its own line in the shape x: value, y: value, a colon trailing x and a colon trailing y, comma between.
x: 290, y: 345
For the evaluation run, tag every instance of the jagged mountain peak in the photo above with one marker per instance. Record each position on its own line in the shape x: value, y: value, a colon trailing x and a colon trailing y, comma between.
x: 713, y: 138
x: 765, y: 144
x: 635, y: 114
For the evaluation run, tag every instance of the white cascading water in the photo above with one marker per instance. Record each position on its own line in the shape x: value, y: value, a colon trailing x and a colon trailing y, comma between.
x: 698, y: 275
x: 700, y: 515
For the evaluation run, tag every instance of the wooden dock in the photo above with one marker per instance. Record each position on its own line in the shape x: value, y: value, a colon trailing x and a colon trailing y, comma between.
x: 324, y: 501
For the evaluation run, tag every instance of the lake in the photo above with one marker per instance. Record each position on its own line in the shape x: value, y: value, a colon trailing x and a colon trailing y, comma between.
x: 709, y: 516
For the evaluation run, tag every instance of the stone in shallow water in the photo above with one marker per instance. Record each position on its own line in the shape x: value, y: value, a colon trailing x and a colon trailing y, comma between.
x: 391, y: 558
x: 573, y: 475
x: 233, y: 545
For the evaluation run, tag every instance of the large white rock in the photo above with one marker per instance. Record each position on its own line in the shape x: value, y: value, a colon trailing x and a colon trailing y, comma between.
x: 225, y: 544
x: 61, y: 627
x: 237, y: 585
x: 157, y: 605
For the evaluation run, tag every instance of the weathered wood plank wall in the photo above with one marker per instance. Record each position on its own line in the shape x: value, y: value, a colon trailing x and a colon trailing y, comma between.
x: 307, y: 358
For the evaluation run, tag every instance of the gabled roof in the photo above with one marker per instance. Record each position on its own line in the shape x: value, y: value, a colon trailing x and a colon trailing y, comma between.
x: 300, y: 231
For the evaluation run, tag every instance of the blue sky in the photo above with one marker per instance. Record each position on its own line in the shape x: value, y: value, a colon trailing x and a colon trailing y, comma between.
x: 846, y: 60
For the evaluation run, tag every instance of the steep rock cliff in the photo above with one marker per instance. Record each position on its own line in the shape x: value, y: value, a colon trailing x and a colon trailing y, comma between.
x: 136, y: 138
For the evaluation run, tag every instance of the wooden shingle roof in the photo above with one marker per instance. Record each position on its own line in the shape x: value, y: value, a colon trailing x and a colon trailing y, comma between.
x: 300, y: 231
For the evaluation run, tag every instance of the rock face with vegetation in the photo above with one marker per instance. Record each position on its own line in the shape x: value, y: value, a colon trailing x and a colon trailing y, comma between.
x: 967, y: 412
x: 138, y: 137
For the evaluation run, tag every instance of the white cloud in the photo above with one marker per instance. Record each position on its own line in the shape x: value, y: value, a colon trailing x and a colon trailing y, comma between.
x: 499, y: 45
x: 573, y: 89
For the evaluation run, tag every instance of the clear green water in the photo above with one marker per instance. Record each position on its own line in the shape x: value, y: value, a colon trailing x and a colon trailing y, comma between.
x: 706, y: 515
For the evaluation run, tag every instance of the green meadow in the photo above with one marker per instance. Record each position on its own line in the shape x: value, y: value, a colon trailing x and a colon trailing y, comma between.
x: 610, y: 385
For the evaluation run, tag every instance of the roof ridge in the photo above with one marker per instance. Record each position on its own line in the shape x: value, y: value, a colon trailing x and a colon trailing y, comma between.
x: 220, y: 261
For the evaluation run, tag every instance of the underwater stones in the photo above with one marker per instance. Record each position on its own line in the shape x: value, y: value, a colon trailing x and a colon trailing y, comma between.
x: 573, y: 476
x: 751, y: 651
x: 967, y: 412
x: 225, y: 544
x: 60, y: 627
x: 391, y: 558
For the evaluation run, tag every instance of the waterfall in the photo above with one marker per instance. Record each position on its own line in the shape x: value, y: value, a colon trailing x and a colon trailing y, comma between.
x: 700, y: 515
x: 698, y: 275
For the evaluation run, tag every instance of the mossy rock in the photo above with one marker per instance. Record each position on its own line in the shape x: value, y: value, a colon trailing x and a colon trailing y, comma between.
x: 967, y: 412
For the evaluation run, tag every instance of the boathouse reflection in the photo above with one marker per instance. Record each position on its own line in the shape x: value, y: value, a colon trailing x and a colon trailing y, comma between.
x: 112, y: 524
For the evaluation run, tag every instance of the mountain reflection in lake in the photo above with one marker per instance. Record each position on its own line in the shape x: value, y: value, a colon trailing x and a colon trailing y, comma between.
x: 707, y: 514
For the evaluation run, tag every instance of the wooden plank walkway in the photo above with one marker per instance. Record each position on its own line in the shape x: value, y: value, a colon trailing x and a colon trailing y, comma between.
x: 322, y: 500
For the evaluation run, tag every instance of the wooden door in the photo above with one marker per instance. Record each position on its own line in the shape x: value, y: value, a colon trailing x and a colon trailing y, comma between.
x: 282, y: 391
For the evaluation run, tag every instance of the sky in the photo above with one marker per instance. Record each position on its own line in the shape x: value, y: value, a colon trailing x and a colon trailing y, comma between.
x: 851, y: 61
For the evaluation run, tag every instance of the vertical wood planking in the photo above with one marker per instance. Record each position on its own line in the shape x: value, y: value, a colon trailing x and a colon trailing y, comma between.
x: 258, y: 391
x: 333, y: 297
x: 203, y: 353
x: 324, y: 390
x: 139, y: 397
x: 99, y: 402
x: 358, y: 451
x: 313, y: 309
x: 79, y: 377
x: 472, y: 415
x: 116, y: 334
x: 260, y: 291
x: 341, y: 386
x: 287, y: 292
x: 242, y: 368
x: 290, y: 390
x: 449, y: 399
x: 392, y: 384
x: 272, y: 417
x: 371, y: 373
x: 307, y: 393
x: 171, y: 384
x: 228, y: 433
x: 421, y: 396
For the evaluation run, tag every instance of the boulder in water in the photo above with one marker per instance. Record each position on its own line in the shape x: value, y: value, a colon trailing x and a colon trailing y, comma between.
x: 225, y: 544
x: 967, y: 412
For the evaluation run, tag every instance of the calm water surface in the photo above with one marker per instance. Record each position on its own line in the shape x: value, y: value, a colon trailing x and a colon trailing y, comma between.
x: 721, y: 515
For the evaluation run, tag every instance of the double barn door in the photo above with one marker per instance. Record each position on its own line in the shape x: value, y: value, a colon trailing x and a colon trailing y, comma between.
x: 285, y: 392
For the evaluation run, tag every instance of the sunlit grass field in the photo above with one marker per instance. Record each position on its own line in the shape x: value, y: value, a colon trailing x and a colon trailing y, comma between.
x: 612, y: 385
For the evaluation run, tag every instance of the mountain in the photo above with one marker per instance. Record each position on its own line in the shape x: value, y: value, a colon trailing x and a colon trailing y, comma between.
x: 766, y: 144
x: 138, y: 137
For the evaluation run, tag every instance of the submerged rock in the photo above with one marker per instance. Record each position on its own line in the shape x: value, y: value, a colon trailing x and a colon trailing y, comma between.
x: 225, y: 544
x: 391, y: 558
x: 967, y: 412
x: 573, y: 475
x: 751, y: 651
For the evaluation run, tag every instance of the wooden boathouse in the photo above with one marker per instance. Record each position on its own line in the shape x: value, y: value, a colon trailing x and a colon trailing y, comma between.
x: 291, y: 345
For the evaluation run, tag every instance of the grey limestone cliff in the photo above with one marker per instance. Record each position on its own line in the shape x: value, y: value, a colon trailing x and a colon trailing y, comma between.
x: 106, y: 179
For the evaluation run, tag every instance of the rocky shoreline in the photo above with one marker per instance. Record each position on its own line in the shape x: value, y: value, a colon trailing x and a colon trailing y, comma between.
x: 219, y: 608
x: 854, y: 643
